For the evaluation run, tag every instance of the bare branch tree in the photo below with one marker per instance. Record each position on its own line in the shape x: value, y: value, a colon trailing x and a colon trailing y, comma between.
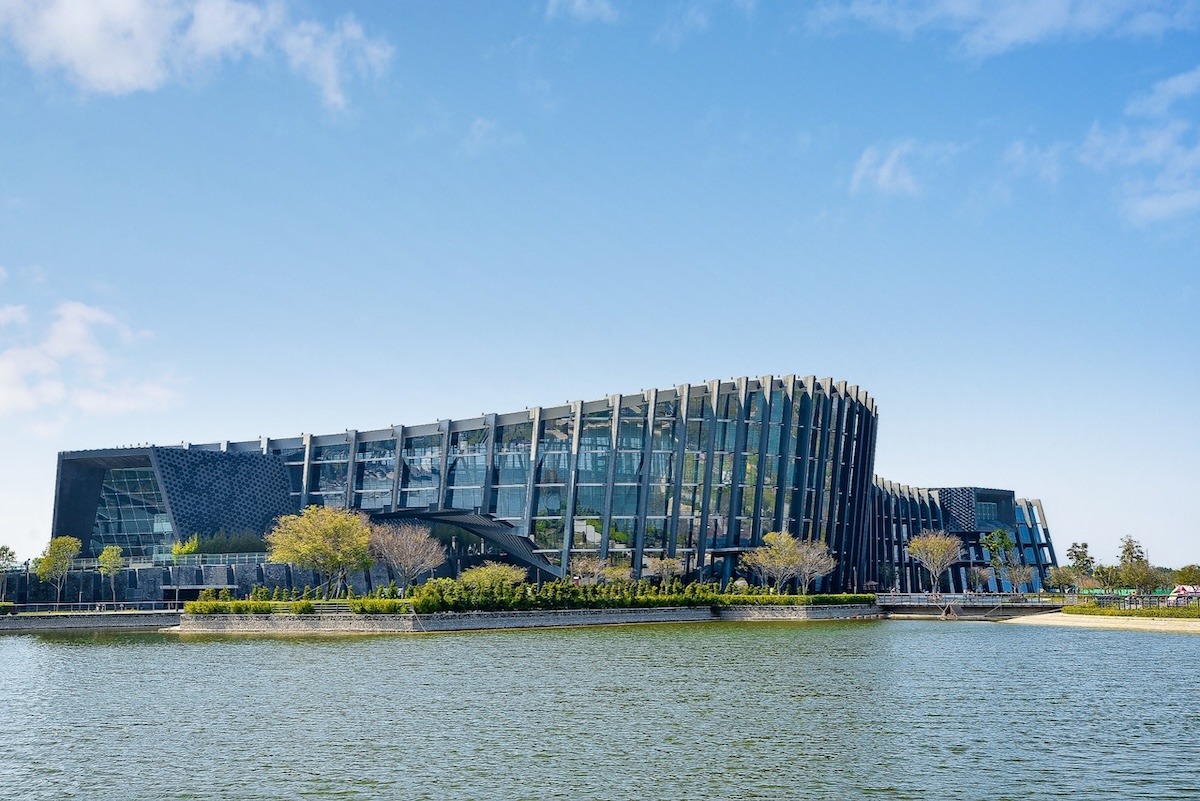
x: 589, y: 567
x: 407, y: 549
x: 782, y: 558
x: 662, y: 567
x: 936, y: 551
x: 980, y: 576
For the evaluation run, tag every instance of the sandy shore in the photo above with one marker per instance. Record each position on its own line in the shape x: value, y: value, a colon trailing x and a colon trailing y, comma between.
x: 1101, y: 622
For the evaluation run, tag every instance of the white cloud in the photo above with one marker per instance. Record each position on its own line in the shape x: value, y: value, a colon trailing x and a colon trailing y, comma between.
x: 1164, y: 94
x: 122, y: 46
x: 13, y: 314
x: 887, y: 173
x: 988, y: 27
x: 684, y: 22
x: 485, y: 135
x: 1157, y: 160
x: 582, y: 10
x: 1043, y: 163
x: 68, y: 367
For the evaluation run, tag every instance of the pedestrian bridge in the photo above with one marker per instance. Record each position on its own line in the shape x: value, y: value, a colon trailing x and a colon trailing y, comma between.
x: 974, y: 605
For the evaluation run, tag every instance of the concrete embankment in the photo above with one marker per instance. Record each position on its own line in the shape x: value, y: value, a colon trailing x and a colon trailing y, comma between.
x: 1168, y: 624
x: 479, y: 621
x: 88, y: 621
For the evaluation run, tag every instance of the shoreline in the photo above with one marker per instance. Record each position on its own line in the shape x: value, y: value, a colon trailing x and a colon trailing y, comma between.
x: 1162, y: 624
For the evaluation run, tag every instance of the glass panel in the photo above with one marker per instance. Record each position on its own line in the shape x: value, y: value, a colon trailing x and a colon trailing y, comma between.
x: 597, y: 431
x: 418, y: 498
x: 430, y: 445
x: 587, y: 533
x: 631, y: 434
x: 508, y: 502
x: 658, y: 501
x: 656, y: 535
x: 290, y: 454
x: 664, y: 435
x: 325, y: 453
x: 466, y: 471
x: 373, y: 501
x: 381, y: 449
x: 548, y: 501
x: 330, y: 477
x: 625, y: 500
x: 474, y: 440
x: 589, y: 501
x: 556, y: 435
x: 660, y: 466
x: 593, y: 467
x: 512, y: 468
x: 465, y: 498
x: 374, y: 475
x: 621, y: 533
x: 555, y: 468
x: 548, y: 534
x: 515, y: 437
x: 419, y: 473
x: 629, y: 467
x: 693, y: 467
x: 130, y: 513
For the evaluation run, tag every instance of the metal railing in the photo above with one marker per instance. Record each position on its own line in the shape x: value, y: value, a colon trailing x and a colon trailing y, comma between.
x: 100, y: 606
x: 969, y: 599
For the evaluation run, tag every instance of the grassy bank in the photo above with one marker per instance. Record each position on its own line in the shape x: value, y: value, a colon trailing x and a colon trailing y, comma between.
x: 1169, y: 612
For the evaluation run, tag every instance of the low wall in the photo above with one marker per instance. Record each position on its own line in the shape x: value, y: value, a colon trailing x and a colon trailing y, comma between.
x: 847, y: 612
x: 89, y: 621
x: 476, y: 621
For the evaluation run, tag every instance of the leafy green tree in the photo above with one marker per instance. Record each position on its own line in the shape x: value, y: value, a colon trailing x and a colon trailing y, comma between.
x: 322, y: 538
x: 492, y: 575
x: 1131, y: 551
x: 936, y: 551
x: 1188, y: 574
x: 8, y: 560
x: 998, y: 544
x: 1081, y: 561
x: 1134, y: 566
x: 185, y: 547
x: 1109, y: 576
x: 408, y: 549
x: 1061, y: 578
x: 111, y: 563
x: 55, y: 562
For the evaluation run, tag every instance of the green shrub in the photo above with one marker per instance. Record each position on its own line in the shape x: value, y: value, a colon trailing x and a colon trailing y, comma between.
x: 1176, y: 612
x: 6, y: 608
x: 206, y: 607
x: 379, y: 606
x: 303, y: 608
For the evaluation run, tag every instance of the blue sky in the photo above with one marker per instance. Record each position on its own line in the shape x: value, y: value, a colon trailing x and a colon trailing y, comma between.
x: 221, y: 219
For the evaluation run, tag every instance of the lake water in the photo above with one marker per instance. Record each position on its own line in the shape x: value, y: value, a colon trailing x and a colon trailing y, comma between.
x: 871, y: 710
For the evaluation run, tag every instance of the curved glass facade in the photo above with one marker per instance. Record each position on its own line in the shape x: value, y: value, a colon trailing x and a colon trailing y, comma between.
x: 698, y: 471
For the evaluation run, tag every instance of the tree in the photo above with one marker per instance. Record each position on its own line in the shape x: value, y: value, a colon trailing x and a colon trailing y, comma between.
x: 55, y: 562
x: 1081, y: 561
x: 322, y: 538
x: 1188, y: 574
x: 1017, y: 572
x: 8, y: 560
x: 998, y: 544
x: 980, y: 576
x: 1109, y: 576
x: 1062, y: 578
x: 588, y: 567
x: 1131, y: 551
x: 111, y: 563
x: 408, y: 549
x: 782, y: 558
x: 662, y: 567
x: 936, y: 551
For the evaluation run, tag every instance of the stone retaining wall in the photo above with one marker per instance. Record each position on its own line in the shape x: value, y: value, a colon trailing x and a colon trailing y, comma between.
x: 476, y: 621
x: 89, y: 621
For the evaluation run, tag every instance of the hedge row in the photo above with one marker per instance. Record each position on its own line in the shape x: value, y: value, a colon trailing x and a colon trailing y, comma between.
x: 1184, y: 612
x: 249, y: 607
x: 6, y: 608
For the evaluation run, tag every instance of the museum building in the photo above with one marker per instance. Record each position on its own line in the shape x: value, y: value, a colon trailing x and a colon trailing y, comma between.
x: 698, y: 471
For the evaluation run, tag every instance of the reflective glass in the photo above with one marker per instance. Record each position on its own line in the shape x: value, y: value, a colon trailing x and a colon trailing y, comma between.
x: 373, y: 501
x: 664, y: 435
x: 381, y: 449
x: 291, y: 454
x: 466, y: 471
x: 515, y: 437
x: 631, y: 434
x: 131, y: 513
x: 629, y: 466
x: 430, y: 445
x: 555, y: 467
x: 413, y: 499
x: 374, y: 475
x: 589, y: 501
x: 660, y: 466
x: 465, y: 498
x: 330, y: 477
x: 621, y: 533
x: 326, y: 453
x: 421, y: 473
x: 556, y: 435
x: 593, y: 467
x: 658, y: 500
x: 596, y: 432
x: 548, y: 534
x: 473, y: 440
x: 512, y: 468
x: 655, y: 537
x: 625, y: 500
x: 508, y: 502
x: 548, y: 501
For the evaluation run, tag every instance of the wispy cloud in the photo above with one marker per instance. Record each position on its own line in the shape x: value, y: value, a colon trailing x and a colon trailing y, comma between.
x: 117, y: 47
x: 685, y: 21
x: 1156, y: 155
x: 68, y: 366
x: 886, y: 172
x: 582, y: 10
x: 1044, y: 163
x: 985, y: 28
x: 485, y: 135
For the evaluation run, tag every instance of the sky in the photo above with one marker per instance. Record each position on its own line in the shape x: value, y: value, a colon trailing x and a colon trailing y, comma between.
x: 225, y: 219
